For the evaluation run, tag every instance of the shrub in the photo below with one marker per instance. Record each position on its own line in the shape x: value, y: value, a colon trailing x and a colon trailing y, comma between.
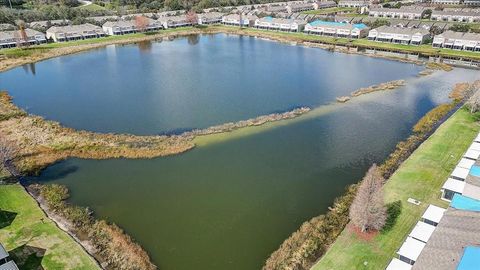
x: 113, y: 245
x: 393, y: 211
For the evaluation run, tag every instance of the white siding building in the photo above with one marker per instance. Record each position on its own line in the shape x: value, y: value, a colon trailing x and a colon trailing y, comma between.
x: 174, y: 21
x: 237, y: 20
x: 287, y: 25
x: 446, y: 2
x: 210, y: 18
x: 456, y: 16
x: 293, y: 8
x: 406, y: 12
x: 457, y: 41
x: 399, y: 35
x: 336, y: 29
x: 10, y: 39
x: 74, y: 32
x: 324, y: 4
x: 353, y: 3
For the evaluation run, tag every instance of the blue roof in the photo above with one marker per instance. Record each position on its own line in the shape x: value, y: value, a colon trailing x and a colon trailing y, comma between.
x: 465, y: 203
x: 475, y: 171
x: 268, y: 18
x: 470, y: 259
x: 326, y: 23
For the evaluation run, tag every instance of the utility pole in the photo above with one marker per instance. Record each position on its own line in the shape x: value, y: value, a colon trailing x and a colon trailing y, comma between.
x: 10, y: 2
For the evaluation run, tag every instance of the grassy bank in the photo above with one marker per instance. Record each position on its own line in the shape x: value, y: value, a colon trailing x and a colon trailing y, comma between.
x: 32, y: 239
x: 421, y: 177
x: 15, y: 57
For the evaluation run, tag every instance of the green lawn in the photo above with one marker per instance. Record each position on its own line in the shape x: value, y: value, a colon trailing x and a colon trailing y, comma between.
x: 92, y: 7
x: 20, y: 52
x: 32, y: 239
x: 425, y: 49
x: 329, y: 10
x: 421, y: 176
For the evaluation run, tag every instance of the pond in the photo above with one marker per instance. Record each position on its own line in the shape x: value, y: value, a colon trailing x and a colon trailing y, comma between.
x: 231, y: 201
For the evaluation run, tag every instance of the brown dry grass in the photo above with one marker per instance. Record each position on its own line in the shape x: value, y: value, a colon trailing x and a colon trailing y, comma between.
x: 40, y: 142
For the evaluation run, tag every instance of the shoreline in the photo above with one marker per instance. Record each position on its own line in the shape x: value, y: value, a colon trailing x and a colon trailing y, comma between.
x: 38, y: 143
x: 130, y: 146
x: 44, y: 52
x: 62, y: 225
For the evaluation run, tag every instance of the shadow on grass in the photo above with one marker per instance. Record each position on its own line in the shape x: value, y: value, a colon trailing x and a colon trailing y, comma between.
x: 6, y: 218
x: 28, y: 257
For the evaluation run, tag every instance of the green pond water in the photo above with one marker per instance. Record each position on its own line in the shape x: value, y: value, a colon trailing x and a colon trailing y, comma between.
x: 231, y: 201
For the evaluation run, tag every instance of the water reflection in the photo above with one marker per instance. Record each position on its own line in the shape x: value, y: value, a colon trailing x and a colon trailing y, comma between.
x: 145, y: 46
x: 29, y: 68
x: 193, y: 39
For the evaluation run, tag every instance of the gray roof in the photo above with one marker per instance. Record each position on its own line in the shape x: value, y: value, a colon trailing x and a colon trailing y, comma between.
x: 401, y: 30
x: 6, y: 27
x: 403, y: 9
x: 301, y: 5
x: 460, y: 35
x: 5, y: 35
x: 75, y: 28
x: 457, y: 230
x: 121, y: 23
x: 282, y: 21
x: 210, y: 15
x: 103, y: 18
x: 45, y: 23
x: 459, y: 12
x: 3, y: 252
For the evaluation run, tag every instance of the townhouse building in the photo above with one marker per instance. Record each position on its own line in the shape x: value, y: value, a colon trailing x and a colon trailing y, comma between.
x: 278, y: 24
x: 446, y: 2
x: 74, y: 32
x: 129, y: 26
x: 456, y: 15
x: 237, y: 20
x: 353, y: 3
x: 406, y: 12
x: 399, y: 35
x: 336, y: 29
x: 174, y: 21
x: 210, y: 18
x: 324, y: 4
x: 457, y: 41
x: 13, y: 38
x: 299, y: 7
x: 46, y: 24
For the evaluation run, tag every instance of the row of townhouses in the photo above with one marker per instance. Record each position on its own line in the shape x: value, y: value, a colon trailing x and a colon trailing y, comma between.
x: 336, y: 29
x: 457, y: 41
x: 457, y: 2
x: 353, y: 3
x: 74, y: 32
x: 279, y: 24
x: 239, y: 20
x: 130, y: 26
x: 405, y: 12
x: 13, y: 38
x: 456, y: 15
x: 399, y: 35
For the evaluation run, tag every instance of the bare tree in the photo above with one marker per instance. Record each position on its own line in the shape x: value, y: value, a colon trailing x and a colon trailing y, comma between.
x: 22, y: 39
x: 192, y: 17
x: 368, y: 211
x: 141, y: 23
x: 474, y: 102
